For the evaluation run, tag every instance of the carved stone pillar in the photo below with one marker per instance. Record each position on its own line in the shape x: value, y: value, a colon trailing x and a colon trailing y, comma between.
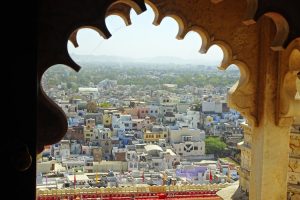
x: 275, y: 107
x: 245, y: 147
x: 294, y: 163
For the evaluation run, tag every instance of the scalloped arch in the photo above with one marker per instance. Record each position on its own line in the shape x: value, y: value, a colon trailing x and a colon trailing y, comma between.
x: 294, y: 60
x: 101, y: 30
x: 227, y: 53
x: 282, y: 30
x: 122, y: 10
x: 181, y: 25
x: 138, y: 5
x: 205, y: 38
x: 156, y: 13
x: 240, y: 93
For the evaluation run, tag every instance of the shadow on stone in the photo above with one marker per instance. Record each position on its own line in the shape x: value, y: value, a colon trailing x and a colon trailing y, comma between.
x: 233, y: 192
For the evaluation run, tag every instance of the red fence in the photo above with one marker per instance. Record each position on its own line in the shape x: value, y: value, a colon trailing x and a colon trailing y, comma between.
x: 188, y: 195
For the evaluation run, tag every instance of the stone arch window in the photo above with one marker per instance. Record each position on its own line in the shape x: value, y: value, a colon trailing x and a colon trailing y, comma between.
x: 254, y: 35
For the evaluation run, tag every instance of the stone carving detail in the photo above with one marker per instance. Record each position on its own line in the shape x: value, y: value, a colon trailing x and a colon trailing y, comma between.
x: 288, y: 105
x: 246, y: 159
x: 295, y: 144
x: 294, y: 171
x: 245, y: 148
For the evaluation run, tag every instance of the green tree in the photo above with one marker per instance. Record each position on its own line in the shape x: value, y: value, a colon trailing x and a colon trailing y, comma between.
x: 213, y: 145
x: 105, y: 105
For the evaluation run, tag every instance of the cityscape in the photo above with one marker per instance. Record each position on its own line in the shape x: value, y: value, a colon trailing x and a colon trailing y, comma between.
x: 145, y: 100
x: 137, y: 124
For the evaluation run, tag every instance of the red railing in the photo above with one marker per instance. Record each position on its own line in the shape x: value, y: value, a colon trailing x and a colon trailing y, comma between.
x: 189, y: 195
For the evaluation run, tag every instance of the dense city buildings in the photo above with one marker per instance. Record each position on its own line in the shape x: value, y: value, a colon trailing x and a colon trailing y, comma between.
x: 122, y: 134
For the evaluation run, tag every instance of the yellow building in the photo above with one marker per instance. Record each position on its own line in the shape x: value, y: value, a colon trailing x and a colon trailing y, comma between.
x: 88, y: 133
x: 107, y: 119
x: 155, y: 134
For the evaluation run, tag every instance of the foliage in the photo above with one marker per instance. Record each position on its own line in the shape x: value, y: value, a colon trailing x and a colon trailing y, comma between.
x: 105, y: 105
x: 140, y: 74
x: 214, y: 145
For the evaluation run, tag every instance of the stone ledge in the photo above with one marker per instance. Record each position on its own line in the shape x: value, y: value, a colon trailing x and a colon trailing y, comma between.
x: 233, y: 192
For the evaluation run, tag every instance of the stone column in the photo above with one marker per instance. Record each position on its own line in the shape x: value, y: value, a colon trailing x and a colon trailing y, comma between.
x: 276, y: 108
x: 245, y: 147
x: 293, y: 183
x: 269, y: 161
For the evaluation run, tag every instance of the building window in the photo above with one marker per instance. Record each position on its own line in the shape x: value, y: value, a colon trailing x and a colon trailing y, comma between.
x: 195, y: 148
x: 187, y: 138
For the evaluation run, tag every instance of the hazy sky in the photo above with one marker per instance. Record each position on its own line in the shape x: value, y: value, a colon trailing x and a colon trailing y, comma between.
x: 142, y: 39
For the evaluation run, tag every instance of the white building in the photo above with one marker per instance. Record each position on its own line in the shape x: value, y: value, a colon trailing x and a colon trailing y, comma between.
x: 153, y: 110
x: 121, y: 122
x: 188, y: 142
x: 212, y: 107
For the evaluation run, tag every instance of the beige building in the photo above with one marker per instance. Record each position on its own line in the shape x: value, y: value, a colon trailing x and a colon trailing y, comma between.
x: 107, y: 119
x: 45, y: 167
x: 105, y: 166
x: 188, y: 142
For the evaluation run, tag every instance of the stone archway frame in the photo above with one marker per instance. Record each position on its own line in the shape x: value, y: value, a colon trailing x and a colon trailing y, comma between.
x: 256, y: 47
x: 237, y: 47
x: 265, y: 90
x: 244, y: 105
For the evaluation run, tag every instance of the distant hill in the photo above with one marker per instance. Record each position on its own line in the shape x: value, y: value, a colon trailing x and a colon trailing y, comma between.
x: 120, y: 59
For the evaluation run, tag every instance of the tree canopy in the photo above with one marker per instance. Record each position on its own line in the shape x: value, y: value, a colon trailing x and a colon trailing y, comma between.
x: 105, y: 105
x: 213, y: 145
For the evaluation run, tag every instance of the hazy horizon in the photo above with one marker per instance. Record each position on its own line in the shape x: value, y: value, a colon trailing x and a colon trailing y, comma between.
x: 143, y: 40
